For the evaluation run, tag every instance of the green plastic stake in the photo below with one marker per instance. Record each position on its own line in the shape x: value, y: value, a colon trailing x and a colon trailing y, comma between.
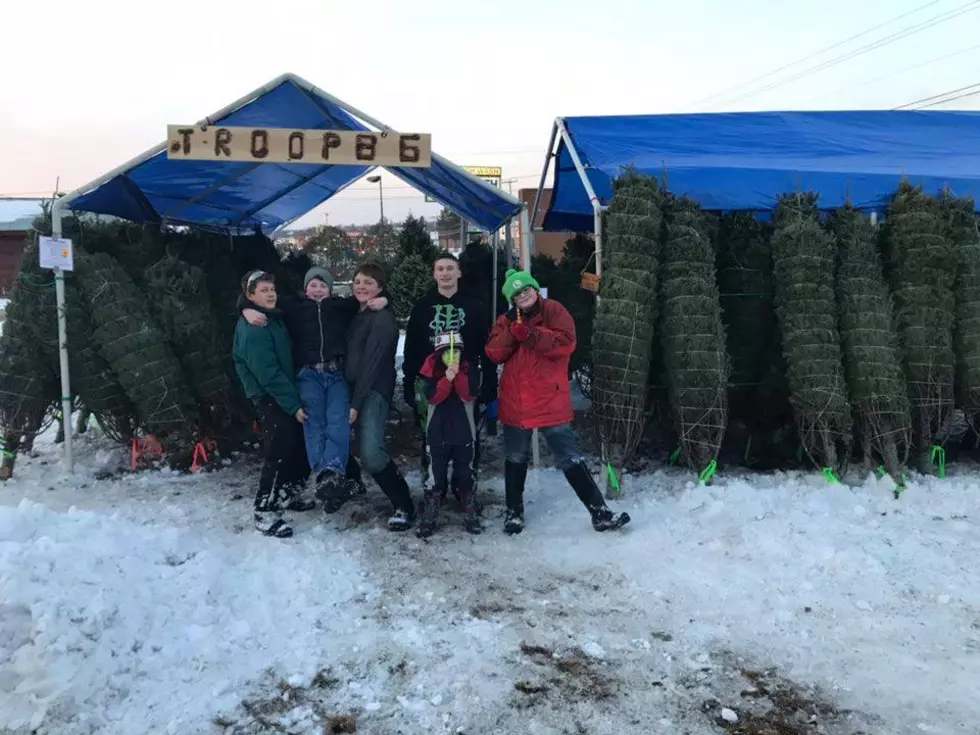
x: 611, y: 474
x: 938, y: 458
x: 829, y: 475
x: 675, y: 456
x: 799, y: 453
x: 708, y: 472
x: 748, y: 449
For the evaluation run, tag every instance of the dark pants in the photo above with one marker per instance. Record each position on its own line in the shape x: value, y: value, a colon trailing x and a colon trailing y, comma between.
x: 282, y: 465
x: 327, y: 430
x: 461, y: 459
x: 562, y: 442
x: 426, y: 460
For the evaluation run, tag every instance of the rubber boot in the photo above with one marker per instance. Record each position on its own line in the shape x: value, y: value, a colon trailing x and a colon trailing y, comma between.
x: 514, y: 477
x: 393, y: 485
x: 430, y: 513
x: 588, y: 492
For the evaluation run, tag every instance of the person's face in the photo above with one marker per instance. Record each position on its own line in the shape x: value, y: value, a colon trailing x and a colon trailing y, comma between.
x: 447, y: 273
x: 527, y: 298
x: 317, y: 290
x: 365, y: 288
x: 264, y: 295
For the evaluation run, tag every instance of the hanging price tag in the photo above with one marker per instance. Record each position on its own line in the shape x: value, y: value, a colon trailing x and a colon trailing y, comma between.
x: 590, y: 282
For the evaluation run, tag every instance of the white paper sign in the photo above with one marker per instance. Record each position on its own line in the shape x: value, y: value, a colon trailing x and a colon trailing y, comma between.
x: 56, y: 252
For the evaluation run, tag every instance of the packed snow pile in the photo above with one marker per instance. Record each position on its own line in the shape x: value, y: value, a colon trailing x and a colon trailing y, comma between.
x: 780, y: 603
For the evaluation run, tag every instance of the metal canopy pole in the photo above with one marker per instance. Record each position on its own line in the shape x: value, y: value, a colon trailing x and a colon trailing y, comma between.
x: 548, y: 155
x: 59, y: 289
x: 596, y: 204
x: 509, y: 242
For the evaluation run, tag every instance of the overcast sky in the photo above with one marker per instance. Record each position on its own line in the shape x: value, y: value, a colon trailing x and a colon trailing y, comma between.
x: 84, y: 86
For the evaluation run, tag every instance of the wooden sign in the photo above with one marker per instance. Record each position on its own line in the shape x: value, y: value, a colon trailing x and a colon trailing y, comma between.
x: 590, y: 282
x: 287, y: 145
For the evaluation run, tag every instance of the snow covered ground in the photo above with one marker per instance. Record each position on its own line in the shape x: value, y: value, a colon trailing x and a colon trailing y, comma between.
x: 146, y: 604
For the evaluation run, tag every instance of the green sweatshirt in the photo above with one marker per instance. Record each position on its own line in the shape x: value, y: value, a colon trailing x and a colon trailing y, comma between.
x: 264, y: 363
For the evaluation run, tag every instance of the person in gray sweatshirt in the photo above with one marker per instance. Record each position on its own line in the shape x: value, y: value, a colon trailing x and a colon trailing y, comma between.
x: 371, y: 346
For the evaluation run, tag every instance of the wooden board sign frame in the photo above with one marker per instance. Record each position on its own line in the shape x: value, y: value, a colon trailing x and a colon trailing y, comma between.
x: 289, y: 145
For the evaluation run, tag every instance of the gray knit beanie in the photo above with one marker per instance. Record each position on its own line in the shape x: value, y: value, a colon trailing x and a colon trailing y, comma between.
x: 317, y: 272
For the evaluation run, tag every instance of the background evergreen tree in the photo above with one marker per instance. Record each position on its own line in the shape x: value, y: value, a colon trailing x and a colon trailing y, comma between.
x: 413, y: 239
x: 409, y: 281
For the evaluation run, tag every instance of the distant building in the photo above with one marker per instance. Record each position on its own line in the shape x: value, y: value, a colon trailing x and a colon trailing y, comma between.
x: 16, y: 222
x: 551, y: 244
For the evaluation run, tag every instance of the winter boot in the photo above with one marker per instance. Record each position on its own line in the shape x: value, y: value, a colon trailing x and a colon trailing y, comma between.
x: 393, y: 485
x: 355, y: 484
x: 603, y: 519
x: 430, y: 514
x: 270, y: 523
x: 514, y: 477
x: 295, y: 501
x: 332, y: 489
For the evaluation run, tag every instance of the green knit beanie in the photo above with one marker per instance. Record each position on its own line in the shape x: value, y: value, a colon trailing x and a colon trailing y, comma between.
x: 517, y: 281
x: 317, y: 272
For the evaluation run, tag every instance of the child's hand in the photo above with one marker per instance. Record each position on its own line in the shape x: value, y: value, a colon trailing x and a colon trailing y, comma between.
x: 452, y: 371
x: 255, y: 318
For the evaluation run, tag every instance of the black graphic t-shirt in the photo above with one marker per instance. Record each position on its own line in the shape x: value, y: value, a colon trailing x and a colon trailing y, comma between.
x: 434, y: 315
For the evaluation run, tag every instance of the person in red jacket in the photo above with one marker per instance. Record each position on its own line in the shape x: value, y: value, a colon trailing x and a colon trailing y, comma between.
x: 534, y: 341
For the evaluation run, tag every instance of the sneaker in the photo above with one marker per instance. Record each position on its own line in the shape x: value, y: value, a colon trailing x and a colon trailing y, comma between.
x: 473, y: 525
x: 270, y: 523
x: 400, y: 521
x: 513, y: 523
x: 604, y: 519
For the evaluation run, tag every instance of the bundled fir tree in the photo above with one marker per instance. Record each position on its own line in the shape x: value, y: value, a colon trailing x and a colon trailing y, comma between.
x: 922, y: 271
x: 409, y: 280
x: 872, y: 363
x: 695, y: 359
x: 178, y: 299
x: 622, y: 336
x: 804, y: 263
x: 758, y: 400
x: 964, y: 238
x: 139, y: 353
x: 28, y: 387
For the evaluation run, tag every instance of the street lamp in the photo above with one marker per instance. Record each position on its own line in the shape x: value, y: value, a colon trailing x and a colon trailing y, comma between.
x: 381, y: 194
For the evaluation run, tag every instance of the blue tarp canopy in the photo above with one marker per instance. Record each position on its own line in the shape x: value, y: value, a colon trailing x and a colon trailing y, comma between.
x: 238, y: 197
x: 746, y: 160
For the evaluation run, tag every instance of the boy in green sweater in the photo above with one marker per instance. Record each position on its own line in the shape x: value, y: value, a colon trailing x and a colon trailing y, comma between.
x: 264, y: 363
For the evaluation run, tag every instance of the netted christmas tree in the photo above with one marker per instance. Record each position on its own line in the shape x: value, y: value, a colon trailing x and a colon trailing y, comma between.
x: 922, y: 271
x: 872, y: 362
x: 179, y: 301
x: 139, y: 354
x: 410, y: 279
x: 622, y: 336
x: 804, y: 261
x: 695, y: 360
x: 28, y: 387
x: 760, y: 416
x: 964, y: 237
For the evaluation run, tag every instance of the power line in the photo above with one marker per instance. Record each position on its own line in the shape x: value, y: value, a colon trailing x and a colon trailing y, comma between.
x: 887, y: 40
x: 917, y: 104
x: 896, y: 73
x: 951, y: 99
x: 815, y: 54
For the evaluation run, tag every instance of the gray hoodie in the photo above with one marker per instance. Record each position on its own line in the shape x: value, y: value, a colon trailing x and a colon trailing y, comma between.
x: 371, y: 345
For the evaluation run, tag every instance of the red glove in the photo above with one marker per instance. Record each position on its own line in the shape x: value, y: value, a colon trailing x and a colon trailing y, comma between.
x: 520, y: 331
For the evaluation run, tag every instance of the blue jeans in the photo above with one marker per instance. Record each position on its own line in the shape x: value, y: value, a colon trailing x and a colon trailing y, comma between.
x: 561, y: 440
x: 371, y: 432
x: 327, y: 429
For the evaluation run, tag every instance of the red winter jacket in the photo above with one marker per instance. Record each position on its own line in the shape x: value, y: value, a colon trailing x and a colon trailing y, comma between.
x: 534, y: 391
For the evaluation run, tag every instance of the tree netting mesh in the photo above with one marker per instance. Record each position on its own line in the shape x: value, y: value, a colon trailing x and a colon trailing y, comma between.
x: 623, y: 333
x: 875, y: 381
x: 760, y: 416
x: 964, y: 237
x: 922, y: 270
x: 696, y: 362
x: 179, y: 300
x: 138, y: 352
x: 804, y: 261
